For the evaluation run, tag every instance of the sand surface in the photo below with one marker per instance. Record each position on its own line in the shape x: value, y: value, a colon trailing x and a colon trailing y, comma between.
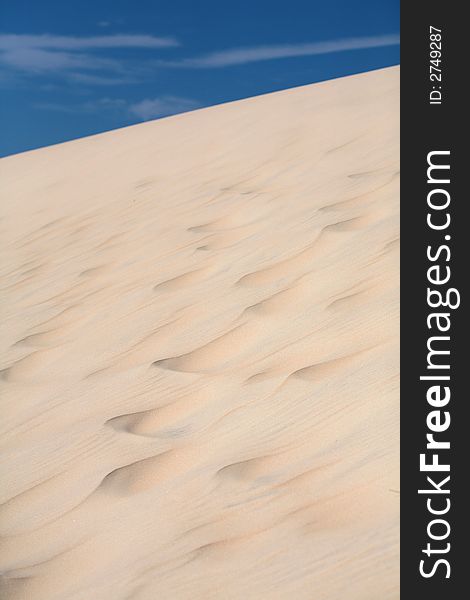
x: 200, y: 354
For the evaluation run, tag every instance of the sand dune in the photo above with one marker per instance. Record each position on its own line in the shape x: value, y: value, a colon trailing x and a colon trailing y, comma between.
x: 200, y: 354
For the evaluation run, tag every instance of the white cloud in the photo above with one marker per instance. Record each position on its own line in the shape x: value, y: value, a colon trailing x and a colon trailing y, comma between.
x: 36, y: 60
x: 162, y: 106
x: 9, y: 41
x: 239, y: 56
x: 71, y: 55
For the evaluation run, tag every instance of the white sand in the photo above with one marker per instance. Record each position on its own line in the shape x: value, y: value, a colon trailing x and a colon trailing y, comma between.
x: 200, y: 354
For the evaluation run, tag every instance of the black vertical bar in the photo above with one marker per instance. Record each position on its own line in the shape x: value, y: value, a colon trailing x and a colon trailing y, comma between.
x: 428, y: 127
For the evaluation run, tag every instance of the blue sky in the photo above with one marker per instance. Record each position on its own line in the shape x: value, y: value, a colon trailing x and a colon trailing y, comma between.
x: 71, y: 69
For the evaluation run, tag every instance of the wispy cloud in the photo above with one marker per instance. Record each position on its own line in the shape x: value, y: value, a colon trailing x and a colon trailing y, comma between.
x: 37, y: 60
x: 83, y: 59
x: 59, y: 55
x: 10, y: 41
x: 239, y: 56
x: 163, y: 106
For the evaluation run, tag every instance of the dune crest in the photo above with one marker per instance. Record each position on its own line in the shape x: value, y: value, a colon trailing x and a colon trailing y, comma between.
x: 200, y: 354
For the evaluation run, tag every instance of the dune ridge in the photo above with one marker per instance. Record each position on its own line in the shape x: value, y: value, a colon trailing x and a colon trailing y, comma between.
x: 200, y: 354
